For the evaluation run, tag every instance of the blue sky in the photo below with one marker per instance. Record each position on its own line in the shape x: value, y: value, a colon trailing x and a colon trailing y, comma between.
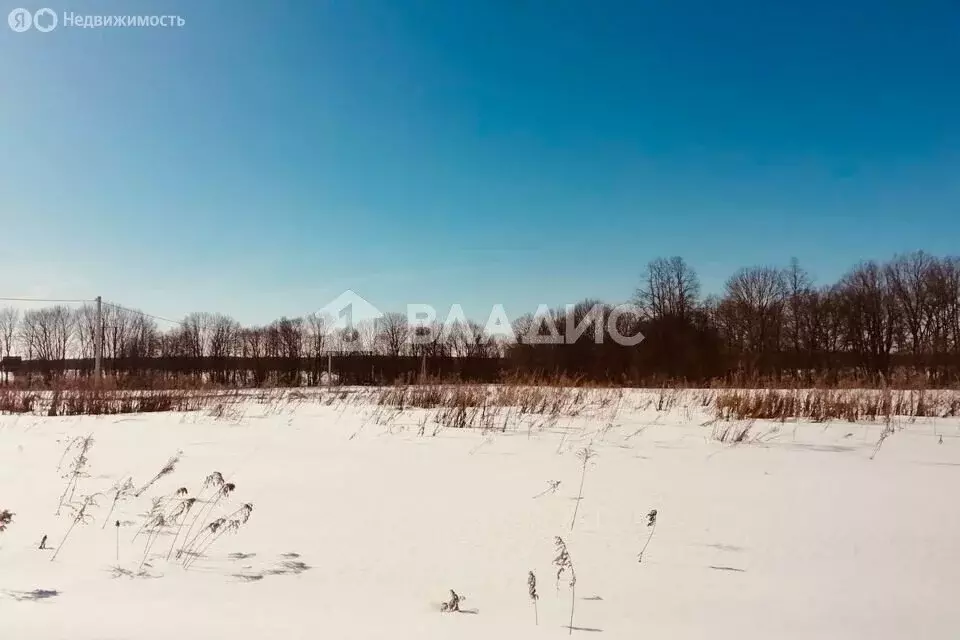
x: 267, y: 156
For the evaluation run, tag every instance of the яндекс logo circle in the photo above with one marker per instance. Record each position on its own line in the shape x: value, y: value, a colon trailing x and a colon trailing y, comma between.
x: 20, y: 20
x: 43, y: 20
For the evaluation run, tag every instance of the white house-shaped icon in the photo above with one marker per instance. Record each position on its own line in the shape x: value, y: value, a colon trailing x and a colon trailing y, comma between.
x: 347, y: 310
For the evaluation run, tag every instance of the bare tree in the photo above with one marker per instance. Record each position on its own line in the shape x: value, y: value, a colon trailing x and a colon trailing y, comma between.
x: 521, y: 328
x: 457, y: 337
x: 871, y: 315
x: 290, y: 333
x: 222, y: 335
x: 9, y: 323
x: 195, y: 334
x: 428, y: 340
x: 358, y: 338
x: 393, y: 333
x: 752, y: 312
x: 85, y: 323
x: 798, y: 288
x: 588, y: 319
x: 47, y: 333
x: 945, y: 291
x: 142, y: 337
x: 482, y: 345
x: 174, y: 343
x: 466, y: 339
x: 909, y: 280
x: 209, y: 334
x: 316, y: 333
x: 366, y: 332
x: 253, y: 342
x: 949, y: 292
x: 670, y: 288
x: 117, y: 323
x: 125, y: 332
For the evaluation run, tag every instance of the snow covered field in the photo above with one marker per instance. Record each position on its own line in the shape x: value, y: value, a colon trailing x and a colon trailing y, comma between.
x: 364, y: 518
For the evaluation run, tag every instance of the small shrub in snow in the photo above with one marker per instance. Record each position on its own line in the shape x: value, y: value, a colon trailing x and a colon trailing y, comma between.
x: 179, y: 517
x: 121, y: 491
x: 80, y: 516
x: 734, y: 433
x: 153, y: 528
x: 584, y: 455
x: 552, y: 487
x: 212, y: 483
x: 213, y: 531
x: 166, y: 470
x: 78, y: 468
x: 888, y: 431
x: 453, y: 604
x: 6, y: 519
x: 532, y: 592
x: 222, y: 490
x: 564, y: 565
x: 652, y: 525
x: 162, y: 517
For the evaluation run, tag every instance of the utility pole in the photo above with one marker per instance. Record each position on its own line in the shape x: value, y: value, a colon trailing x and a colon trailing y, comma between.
x: 98, y: 340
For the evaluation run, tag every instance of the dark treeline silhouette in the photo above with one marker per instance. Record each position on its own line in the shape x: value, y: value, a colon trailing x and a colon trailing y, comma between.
x: 880, y: 321
x: 344, y: 368
x: 900, y: 317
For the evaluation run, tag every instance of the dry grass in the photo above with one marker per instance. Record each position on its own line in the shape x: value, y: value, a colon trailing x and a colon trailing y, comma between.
x: 14, y: 401
x: 497, y: 407
x: 732, y: 432
x: 484, y: 407
x: 115, y: 382
x: 550, y: 400
x: 226, y: 404
x: 822, y: 405
x: 92, y: 401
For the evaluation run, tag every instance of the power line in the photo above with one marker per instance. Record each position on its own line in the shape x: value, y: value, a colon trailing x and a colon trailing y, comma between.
x: 84, y: 300
x: 42, y: 300
x: 142, y: 313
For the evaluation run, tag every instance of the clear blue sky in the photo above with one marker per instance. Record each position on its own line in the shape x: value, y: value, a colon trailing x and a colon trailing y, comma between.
x: 269, y: 155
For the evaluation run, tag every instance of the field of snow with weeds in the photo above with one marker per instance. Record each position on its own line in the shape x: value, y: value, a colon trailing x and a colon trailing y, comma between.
x: 353, y: 513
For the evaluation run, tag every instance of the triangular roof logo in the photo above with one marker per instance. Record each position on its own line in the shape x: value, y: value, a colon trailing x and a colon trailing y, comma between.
x: 347, y: 310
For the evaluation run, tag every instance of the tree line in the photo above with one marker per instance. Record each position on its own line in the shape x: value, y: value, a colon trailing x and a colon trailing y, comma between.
x: 878, y: 320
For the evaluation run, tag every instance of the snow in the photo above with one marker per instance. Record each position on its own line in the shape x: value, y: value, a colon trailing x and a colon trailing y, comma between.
x: 796, y: 533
